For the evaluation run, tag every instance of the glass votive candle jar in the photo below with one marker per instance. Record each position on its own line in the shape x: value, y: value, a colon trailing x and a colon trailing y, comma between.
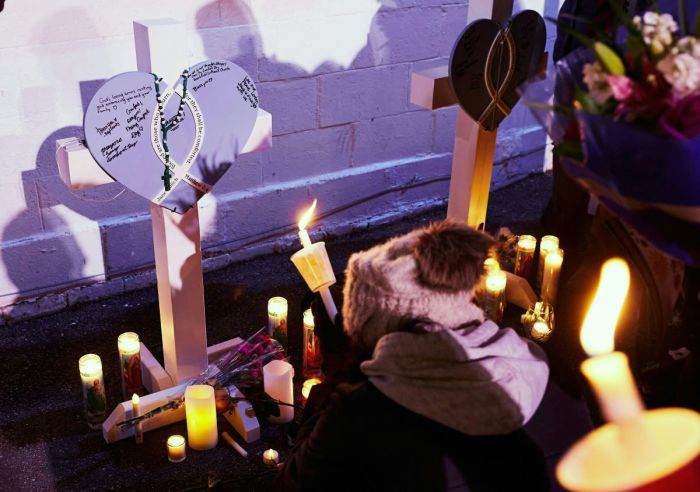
x: 538, y: 321
x: 525, y: 255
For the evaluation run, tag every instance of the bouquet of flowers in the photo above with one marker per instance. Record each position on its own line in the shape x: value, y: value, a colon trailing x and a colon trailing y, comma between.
x: 240, y: 367
x: 626, y: 123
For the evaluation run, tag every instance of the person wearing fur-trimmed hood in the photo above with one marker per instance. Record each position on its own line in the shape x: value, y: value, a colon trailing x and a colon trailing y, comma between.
x: 421, y: 392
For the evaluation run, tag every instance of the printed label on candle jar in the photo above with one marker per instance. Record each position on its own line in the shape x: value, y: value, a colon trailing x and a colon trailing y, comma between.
x: 94, y: 396
x: 131, y: 374
x: 312, y: 353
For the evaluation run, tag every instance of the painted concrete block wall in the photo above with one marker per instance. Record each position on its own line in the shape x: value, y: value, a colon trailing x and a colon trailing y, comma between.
x: 335, y: 76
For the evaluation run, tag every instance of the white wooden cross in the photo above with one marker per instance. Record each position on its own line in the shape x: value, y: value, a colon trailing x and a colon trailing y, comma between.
x: 474, y: 148
x: 178, y: 252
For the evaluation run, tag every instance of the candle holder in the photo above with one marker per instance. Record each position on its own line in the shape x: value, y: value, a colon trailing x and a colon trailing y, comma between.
x: 312, y: 348
x: 538, y: 321
x: 493, y: 299
x: 306, y: 388
x: 277, y: 319
x: 277, y: 380
x: 129, y: 347
x: 547, y: 245
x: 94, y: 396
x: 550, y: 278
x: 525, y: 255
x: 177, y: 451
x: 314, y: 266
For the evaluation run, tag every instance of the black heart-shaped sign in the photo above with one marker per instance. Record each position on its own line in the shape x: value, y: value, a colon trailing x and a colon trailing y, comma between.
x: 489, y: 63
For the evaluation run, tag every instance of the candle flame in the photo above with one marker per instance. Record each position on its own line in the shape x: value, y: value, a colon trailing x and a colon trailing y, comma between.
x: 135, y: 399
x: 598, y: 330
x: 306, y: 217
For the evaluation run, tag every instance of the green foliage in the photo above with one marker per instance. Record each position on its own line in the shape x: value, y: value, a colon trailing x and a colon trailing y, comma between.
x: 609, y: 59
x: 571, y: 149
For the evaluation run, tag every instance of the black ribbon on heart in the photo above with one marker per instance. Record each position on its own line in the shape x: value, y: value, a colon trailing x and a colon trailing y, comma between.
x: 489, y: 62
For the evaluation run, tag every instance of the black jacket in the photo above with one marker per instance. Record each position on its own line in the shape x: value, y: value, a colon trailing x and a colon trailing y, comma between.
x: 353, y: 437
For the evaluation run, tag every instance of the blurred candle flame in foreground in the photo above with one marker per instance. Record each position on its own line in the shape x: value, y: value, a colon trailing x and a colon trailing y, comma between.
x: 598, y: 330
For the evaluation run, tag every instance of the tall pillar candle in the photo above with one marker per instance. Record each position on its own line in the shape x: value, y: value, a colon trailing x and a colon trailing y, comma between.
x: 277, y: 319
x: 525, y: 255
x: 547, y: 245
x: 94, y: 397
x: 200, y: 412
x: 312, y: 348
x: 277, y: 377
x: 129, y: 347
x: 550, y: 277
x: 494, y: 298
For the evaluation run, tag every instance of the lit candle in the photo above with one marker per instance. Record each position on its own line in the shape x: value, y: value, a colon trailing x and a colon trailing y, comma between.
x: 314, y: 265
x: 495, y: 295
x: 547, y: 245
x: 312, y: 348
x: 271, y: 457
x: 94, y: 397
x: 550, y: 277
x: 538, y: 321
x: 277, y: 378
x: 303, y: 222
x: 277, y: 319
x: 130, y: 362
x: 176, y: 448
x: 138, y: 429
x: 654, y: 450
x: 525, y: 255
x: 306, y: 387
x: 606, y: 370
x: 200, y: 412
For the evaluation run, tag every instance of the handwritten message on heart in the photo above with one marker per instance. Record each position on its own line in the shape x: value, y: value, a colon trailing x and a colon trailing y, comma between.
x: 489, y: 62
x: 123, y: 130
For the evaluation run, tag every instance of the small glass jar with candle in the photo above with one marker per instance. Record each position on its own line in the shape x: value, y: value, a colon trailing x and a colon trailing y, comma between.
x: 538, y: 321
x: 177, y: 450
x: 271, y: 457
x: 277, y: 319
x: 493, y: 299
x: 306, y: 388
x: 129, y: 347
x: 312, y: 348
x: 525, y: 255
x: 547, y: 245
x: 94, y: 396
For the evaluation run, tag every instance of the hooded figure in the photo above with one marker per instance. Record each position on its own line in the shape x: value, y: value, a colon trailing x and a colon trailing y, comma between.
x: 420, y: 392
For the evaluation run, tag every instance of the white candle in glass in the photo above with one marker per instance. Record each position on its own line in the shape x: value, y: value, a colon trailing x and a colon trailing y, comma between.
x: 550, y: 277
x: 311, y: 357
x: 277, y: 377
x: 277, y: 309
x: 606, y: 370
x: 129, y: 347
x: 494, y: 295
x: 94, y: 396
x: 200, y: 412
x: 176, y: 448
x: 547, y: 245
x: 525, y: 255
x: 271, y: 457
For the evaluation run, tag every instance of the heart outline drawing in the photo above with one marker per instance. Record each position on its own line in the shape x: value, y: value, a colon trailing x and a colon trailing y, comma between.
x: 122, y: 130
x: 489, y: 62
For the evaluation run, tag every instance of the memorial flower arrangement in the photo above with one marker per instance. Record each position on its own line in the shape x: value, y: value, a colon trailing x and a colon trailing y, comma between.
x: 626, y: 123
x: 240, y: 367
x: 652, y: 80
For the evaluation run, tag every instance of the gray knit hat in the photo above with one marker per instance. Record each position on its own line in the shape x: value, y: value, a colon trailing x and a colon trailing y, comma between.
x: 428, y: 274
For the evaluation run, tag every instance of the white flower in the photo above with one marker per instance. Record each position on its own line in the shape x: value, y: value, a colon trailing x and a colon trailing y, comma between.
x: 689, y: 45
x: 682, y: 71
x: 596, y: 80
x: 657, y: 30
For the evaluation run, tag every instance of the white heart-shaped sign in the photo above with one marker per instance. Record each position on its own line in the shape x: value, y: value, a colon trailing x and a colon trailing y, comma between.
x: 123, y: 130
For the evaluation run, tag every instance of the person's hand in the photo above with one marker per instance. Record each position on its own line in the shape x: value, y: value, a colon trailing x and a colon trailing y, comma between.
x: 330, y: 333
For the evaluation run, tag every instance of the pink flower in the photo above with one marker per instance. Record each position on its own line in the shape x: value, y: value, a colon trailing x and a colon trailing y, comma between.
x: 622, y: 87
x: 682, y: 121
